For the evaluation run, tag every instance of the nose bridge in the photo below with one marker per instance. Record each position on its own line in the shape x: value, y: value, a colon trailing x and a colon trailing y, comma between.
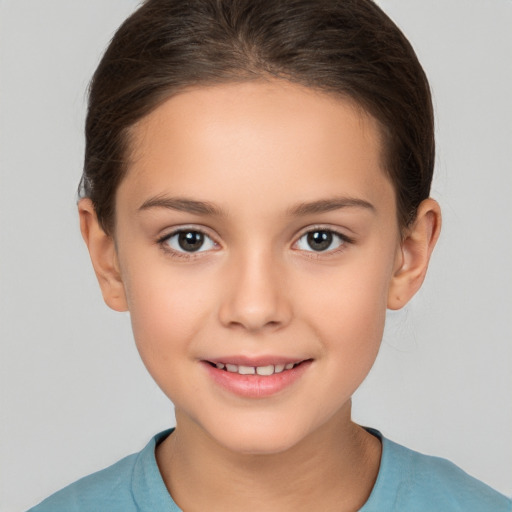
x: 255, y: 295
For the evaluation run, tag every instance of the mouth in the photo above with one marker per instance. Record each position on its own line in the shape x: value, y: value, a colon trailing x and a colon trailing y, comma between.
x: 256, y: 379
x: 265, y: 371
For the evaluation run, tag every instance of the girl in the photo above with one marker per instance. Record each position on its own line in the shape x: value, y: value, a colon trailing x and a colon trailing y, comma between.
x: 256, y: 195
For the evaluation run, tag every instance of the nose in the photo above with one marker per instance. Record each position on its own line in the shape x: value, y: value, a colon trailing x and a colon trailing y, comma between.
x: 255, y: 295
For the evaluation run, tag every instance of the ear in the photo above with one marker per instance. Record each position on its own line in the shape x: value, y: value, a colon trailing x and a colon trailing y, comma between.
x: 414, y: 254
x: 103, y: 254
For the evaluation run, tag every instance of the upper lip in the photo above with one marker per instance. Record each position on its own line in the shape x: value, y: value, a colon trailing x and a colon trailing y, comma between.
x: 255, y: 361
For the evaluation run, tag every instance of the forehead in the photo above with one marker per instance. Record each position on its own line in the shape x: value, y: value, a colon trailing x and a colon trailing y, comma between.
x: 257, y: 138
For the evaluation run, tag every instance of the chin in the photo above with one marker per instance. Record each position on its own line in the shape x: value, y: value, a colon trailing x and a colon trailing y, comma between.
x: 258, y: 437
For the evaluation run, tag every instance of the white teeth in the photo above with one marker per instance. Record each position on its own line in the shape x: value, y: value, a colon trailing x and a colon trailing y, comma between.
x: 265, y: 370
x: 247, y: 370
x: 252, y: 370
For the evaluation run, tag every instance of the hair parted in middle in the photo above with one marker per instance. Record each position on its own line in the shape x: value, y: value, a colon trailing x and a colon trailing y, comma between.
x: 348, y: 48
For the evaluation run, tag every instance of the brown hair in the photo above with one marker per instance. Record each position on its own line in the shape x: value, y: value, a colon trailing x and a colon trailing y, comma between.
x: 346, y: 47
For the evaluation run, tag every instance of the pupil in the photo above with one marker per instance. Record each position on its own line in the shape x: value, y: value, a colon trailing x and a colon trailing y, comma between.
x: 190, y: 241
x: 320, y: 240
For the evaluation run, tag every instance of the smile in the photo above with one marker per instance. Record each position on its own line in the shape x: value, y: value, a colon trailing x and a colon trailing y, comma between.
x: 267, y: 370
x: 256, y: 379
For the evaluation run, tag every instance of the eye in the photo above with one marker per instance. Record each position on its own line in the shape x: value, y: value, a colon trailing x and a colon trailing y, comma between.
x: 320, y: 240
x: 189, y: 240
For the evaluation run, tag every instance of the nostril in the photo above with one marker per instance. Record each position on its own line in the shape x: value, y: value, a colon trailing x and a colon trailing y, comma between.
x: 255, y: 302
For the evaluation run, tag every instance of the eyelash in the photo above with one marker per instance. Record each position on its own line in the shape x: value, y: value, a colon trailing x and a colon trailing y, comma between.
x: 163, y: 242
x: 344, y: 241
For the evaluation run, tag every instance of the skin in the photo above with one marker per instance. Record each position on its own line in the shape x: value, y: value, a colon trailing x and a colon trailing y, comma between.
x: 257, y: 154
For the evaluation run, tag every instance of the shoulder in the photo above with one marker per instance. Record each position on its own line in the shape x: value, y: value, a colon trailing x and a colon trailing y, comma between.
x: 415, y: 482
x: 437, y: 480
x: 108, y: 489
x: 133, y: 484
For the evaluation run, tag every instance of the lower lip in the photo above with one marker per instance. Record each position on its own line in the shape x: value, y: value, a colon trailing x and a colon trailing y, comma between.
x: 256, y: 386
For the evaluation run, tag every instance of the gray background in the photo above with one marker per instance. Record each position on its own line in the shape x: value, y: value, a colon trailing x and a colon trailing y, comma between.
x: 74, y: 395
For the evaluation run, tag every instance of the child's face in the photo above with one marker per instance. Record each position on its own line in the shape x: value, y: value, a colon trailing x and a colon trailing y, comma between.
x: 289, y: 242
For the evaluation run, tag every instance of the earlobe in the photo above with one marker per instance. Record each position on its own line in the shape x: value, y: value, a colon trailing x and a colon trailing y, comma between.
x: 415, y: 251
x: 103, y: 255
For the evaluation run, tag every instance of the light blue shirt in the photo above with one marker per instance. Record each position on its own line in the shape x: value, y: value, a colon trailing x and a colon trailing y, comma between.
x: 407, y: 481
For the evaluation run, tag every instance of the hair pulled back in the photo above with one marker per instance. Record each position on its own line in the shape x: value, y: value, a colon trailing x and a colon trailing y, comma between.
x: 345, y: 47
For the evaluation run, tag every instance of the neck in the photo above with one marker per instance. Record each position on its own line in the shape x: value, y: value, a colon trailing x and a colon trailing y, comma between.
x: 333, y: 468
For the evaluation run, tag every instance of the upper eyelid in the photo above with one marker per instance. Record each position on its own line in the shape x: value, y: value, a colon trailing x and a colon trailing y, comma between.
x: 172, y: 231
x: 311, y: 229
x: 163, y: 242
x: 319, y: 255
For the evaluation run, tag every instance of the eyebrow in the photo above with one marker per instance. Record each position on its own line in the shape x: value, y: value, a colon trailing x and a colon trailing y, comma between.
x: 328, y: 205
x: 193, y: 206
x: 181, y: 204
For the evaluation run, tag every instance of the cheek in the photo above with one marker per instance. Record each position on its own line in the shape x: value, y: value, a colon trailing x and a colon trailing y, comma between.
x: 353, y: 293
x: 356, y: 325
x: 167, y: 309
x: 348, y: 310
